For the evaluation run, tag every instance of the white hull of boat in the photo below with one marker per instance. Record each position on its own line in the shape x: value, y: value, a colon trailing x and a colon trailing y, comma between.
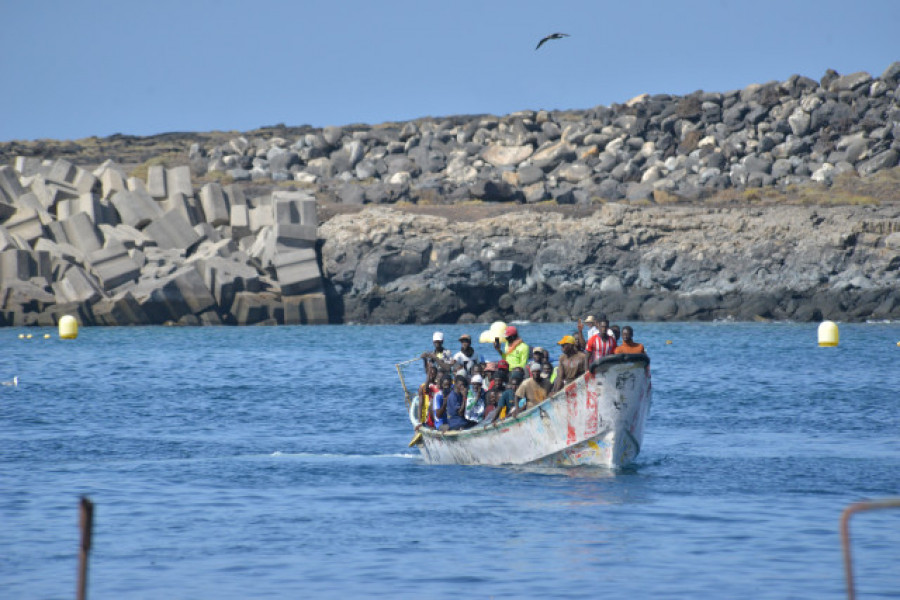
x: 597, y: 420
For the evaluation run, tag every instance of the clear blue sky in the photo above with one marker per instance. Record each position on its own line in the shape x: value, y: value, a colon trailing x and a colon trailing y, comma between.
x: 73, y: 69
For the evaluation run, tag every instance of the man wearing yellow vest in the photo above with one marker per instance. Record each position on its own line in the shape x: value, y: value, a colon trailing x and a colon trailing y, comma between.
x: 516, y: 351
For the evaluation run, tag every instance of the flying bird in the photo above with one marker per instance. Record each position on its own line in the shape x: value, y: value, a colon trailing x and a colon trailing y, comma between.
x: 552, y: 36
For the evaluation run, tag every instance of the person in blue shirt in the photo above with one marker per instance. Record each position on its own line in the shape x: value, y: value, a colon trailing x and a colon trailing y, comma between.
x: 456, y: 405
x: 439, y: 403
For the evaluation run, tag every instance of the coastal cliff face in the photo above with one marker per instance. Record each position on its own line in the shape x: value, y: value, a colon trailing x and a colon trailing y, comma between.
x: 650, y: 263
x: 777, y: 201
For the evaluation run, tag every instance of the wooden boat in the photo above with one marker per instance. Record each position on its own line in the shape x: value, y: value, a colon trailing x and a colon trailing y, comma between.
x: 597, y: 420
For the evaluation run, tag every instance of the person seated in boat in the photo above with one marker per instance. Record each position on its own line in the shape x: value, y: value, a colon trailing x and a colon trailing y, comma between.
x: 530, y: 392
x: 478, y: 369
x: 500, y: 376
x: 572, y: 364
x: 492, y: 399
x: 467, y: 357
x: 602, y: 344
x: 439, y: 402
x: 616, y: 333
x: 508, y: 403
x: 456, y: 405
x: 441, y: 357
x: 516, y: 351
x: 629, y: 346
x: 546, y: 382
x: 476, y: 400
x: 426, y: 393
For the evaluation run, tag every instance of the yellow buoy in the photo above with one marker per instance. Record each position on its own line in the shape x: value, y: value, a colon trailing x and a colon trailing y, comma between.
x: 21, y: 336
x: 668, y: 342
x: 28, y: 336
x: 46, y: 336
x: 68, y: 328
x: 828, y: 334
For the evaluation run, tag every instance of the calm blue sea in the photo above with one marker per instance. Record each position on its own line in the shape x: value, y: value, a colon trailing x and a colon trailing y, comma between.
x: 273, y: 463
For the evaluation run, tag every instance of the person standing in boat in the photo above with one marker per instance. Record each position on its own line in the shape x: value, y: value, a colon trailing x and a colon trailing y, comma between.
x: 572, y: 364
x: 629, y: 346
x: 516, y: 351
x: 439, y: 402
x: 440, y: 357
x: 547, y: 377
x: 601, y: 344
x: 467, y: 357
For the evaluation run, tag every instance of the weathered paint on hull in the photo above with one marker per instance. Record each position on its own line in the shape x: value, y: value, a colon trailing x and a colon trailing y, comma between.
x: 597, y: 420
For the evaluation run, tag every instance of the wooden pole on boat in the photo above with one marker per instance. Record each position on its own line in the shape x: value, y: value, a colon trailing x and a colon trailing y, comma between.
x: 845, y: 534
x: 86, y: 524
x: 403, y: 381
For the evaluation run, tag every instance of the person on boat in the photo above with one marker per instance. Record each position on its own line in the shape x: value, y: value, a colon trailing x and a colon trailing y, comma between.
x: 492, y: 399
x: 456, y: 405
x: 427, y: 392
x: 500, y: 379
x: 439, y: 402
x: 500, y: 375
x: 591, y: 323
x: 629, y: 346
x: 516, y: 351
x: 602, y: 344
x: 440, y: 357
x: 572, y: 364
x: 540, y: 355
x: 530, y: 392
x: 467, y: 357
x: 616, y: 333
x: 476, y: 400
x: 546, y: 382
x: 508, y: 403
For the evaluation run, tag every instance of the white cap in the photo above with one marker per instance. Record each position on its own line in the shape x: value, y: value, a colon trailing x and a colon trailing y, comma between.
x: 438, y: 336
x: 477, y: 379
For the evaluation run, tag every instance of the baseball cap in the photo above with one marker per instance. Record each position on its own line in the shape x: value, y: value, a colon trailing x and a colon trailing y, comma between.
x: 502, y: 365
x: 437, y: 337
x: 465, y: 336
x: 511, y: 331
x: 590, y: 319
x: 477, y: 379
x: 566, y: 339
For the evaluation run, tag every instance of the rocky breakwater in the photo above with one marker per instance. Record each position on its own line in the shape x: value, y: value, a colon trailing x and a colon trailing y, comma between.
x: 660, y: 147
x: 115, y: 250
x: 650, y: 263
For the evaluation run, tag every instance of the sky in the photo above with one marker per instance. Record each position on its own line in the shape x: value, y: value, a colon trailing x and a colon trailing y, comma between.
x: 72, y: 69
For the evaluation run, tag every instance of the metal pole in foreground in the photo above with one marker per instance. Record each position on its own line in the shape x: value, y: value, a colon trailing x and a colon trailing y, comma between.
x: 86, y: 524
x: 845, y: 534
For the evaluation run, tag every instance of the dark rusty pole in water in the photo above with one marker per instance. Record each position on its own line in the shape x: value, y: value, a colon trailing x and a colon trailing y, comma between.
x: 86, y: 524
x: 845, y: 534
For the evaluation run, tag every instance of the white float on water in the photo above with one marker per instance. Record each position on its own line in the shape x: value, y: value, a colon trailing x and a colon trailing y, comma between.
x: 68, y: 327
x: 828, y: 334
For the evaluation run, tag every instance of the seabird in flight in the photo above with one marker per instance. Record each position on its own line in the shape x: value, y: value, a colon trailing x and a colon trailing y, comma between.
x: 552, y: 36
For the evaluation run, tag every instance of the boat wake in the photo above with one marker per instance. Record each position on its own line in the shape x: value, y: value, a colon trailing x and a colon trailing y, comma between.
x: 337, y: 456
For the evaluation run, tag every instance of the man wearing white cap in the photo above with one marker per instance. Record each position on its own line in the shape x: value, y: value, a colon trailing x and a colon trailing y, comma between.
x: 440, y: 357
